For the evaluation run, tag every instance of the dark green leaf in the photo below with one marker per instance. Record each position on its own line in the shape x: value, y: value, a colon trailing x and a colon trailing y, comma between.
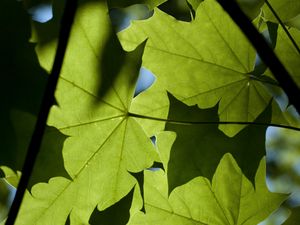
x: 178, y: 9
x: 294, y: 217
x: 198, y: 148
x: 117, y: 214
x: 49, y: 162
x: 22, y: 83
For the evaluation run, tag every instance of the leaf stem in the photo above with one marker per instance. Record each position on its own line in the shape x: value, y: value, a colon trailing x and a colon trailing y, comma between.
x: 264, y: 50
x: 271, y: 82
x: 283, y: 26
x: 186, y: 122
x: 47, y: 102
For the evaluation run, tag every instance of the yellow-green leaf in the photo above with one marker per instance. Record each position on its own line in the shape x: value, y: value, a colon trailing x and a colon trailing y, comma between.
x: 229, y: 199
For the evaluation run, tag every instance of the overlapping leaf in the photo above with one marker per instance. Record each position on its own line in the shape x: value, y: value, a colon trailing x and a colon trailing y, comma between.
x: 295, y: 22
x: 123, y: 3
x: 229, y: 199
x: 294, y: 217
x: 287, y: 52
x: 199, y: 145
x: 210, y: 60
x: 251, y: 8
x: 143, y: 104
x: 22, y: 84
x: 45, y: 33
x: 194, y: 3
x: 21, y: 79
x: 286, y: 10
x: 108, y: 216
x: 104, y: 144
x: 179, y: 9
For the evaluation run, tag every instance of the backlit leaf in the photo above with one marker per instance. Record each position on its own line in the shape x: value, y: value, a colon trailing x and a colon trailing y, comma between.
x: 287, y: 52
x: 104, y: 144
x: 212, y: 65
x: 229, y: 199
x: 286, y: 10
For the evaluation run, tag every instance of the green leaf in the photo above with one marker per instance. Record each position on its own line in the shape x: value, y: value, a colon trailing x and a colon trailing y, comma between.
x: 198, y: 148
x: 295, y: 22
x: 251, y: 7
x: 49, y: 161
x: 294, y: 217
x: 117, y: 214
x: 22, y: 83
x: 101, y: 148
x: 143, y: 104
x: 121, y: 17
x: 46, y: 33
x: 286, y: 10
x: 178, y: 9
x: 124, y: 3
x: 229, y: 199
x: 106, y: 147
x: 194, y: 3
x: 212, y: 65
x: 287, y: 52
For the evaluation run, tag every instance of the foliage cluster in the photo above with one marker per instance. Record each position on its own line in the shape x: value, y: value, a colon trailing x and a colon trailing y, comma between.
x: 188, y: 150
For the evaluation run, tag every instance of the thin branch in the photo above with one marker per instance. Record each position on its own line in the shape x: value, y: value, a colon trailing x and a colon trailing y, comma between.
x: 264, y: 50
x: 186, y: 122
x: 283, y: 26
x: 47, y: 102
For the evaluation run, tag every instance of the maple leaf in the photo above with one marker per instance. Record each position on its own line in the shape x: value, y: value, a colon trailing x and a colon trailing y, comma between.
x: 104, y: 144
x: 286, y: 10
x: 287, y: 53
x: 108, y: 216
x: 229, y: 199
x: 214, y: 64
x: 22, y: 85
x: 199, y: 144
x: 105, y: 132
